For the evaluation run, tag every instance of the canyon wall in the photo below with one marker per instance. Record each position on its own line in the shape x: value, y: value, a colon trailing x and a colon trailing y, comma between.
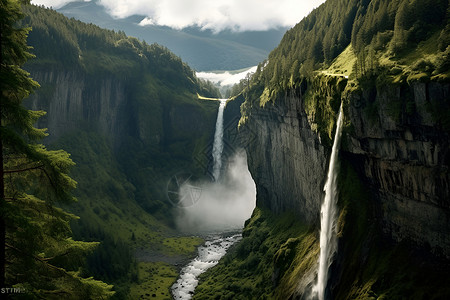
x: 150, y: 132
x: 285, y: 156
x: 393, y: 139
x: 110, y: 106
x: 401, y: 149
x: 73, y: 101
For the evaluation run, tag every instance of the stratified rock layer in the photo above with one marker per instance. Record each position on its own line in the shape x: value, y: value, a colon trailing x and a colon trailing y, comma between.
x: 404, y: 156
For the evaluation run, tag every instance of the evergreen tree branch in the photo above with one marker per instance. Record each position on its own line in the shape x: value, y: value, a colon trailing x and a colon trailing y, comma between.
x: 42, y: 260
x: 23, y: 170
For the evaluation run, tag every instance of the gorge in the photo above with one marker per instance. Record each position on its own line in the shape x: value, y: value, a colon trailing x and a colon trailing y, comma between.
x: 370, y: 75
x: 219, y: 211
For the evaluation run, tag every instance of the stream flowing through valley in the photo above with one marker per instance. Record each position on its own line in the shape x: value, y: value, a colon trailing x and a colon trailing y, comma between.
x: 208, y: 256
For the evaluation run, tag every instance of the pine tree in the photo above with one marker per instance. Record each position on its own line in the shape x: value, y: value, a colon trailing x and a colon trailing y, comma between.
x: 37, y: 252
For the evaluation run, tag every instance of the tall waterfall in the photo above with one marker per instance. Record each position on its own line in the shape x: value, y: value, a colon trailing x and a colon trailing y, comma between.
x: 328, y: 217
x: 218, y: 141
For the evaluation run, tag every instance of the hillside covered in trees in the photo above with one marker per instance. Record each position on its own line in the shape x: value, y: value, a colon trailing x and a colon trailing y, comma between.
x: 39, y: 257
x: 62, y: 43
x: 381, y: 34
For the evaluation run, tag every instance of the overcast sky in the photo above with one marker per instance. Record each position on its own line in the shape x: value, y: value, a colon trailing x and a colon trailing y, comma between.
x: 239, y: 15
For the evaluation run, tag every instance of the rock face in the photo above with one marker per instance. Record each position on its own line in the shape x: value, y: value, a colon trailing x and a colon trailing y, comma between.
x: 400, y: 151
x: 286, y: 157
x: 403, y: 153
x: 110, y: 107
x: 73, y: 101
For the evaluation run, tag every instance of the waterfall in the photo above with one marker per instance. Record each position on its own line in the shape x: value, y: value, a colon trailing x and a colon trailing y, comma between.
x: 218, y: 141
x: 328, y: 216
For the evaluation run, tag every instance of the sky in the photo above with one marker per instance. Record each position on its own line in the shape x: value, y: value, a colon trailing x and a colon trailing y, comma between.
x: 216, y: 15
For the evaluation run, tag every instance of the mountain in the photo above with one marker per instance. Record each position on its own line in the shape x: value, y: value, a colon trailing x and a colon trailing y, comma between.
x: 201, y: 49
x: 130, y: 115
x: 387, y: 62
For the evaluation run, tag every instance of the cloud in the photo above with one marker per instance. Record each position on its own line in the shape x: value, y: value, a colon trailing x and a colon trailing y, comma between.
x: 54, y: 3
x: 225, y: 78
x: 217, y: 15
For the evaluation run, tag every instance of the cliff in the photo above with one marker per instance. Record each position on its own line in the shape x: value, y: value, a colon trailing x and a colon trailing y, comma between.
x: 388, y: 64
x: 128, y: 112
x: 72, y: 101
x: 285, y: 156
x: 402, y: 152
x: 397, y: 193
x: 110, y: 106
x: 397, y: 146
x: 172, y: 128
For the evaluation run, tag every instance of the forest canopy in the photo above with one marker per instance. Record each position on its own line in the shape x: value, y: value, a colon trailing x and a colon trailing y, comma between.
x: 38, y: 256
x: 378, y: 32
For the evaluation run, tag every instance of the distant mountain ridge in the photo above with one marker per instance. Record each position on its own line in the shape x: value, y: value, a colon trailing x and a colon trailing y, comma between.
x: 203, y: 50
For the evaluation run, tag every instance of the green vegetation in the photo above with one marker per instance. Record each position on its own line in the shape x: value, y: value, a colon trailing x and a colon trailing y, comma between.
x: 345, y: 49
x: 322, y: 102
x: 154, y: 281
x: 182, y: 245
x: 272, y: 257
x: 38, y: 252
x: 343, y: 64
x: 61, y: 43
x: 383, y: 41
x: 121, y: 186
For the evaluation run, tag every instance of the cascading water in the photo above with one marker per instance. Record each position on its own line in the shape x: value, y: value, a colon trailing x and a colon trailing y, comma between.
x: 218, y: 141
x: 328, y: 218
x: 208, y: 256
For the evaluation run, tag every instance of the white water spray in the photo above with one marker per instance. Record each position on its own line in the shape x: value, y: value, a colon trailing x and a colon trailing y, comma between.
x: 218, y: 141
x: 328, y: 217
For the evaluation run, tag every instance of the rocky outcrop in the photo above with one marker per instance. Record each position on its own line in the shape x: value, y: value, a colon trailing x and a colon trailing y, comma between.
x: 394, y: 141
x: 285, y: 156
x: 403, y: 153
x: 111, y: 107
x: 74, y: 101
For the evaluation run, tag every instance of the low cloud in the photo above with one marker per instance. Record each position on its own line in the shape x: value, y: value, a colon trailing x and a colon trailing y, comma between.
x: 225, y: 78
x: 217, y: 15
x: 55, y: 3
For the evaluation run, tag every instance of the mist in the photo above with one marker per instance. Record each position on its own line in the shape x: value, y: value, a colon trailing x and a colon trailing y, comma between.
x: 223, y: 205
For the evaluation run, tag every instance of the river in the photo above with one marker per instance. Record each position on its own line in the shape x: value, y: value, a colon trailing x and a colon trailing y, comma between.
x: 208, y: 256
